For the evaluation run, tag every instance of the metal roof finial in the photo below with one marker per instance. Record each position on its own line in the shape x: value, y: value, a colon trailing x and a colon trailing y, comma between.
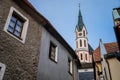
x: 79, y: 6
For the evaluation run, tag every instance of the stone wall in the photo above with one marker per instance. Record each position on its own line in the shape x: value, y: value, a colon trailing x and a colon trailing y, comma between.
x: 21, y: 60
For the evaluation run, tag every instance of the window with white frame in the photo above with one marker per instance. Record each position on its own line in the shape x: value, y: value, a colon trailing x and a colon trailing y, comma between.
x: 53, y: 52
x: 70, y: 66
x: 2, y: 70
x: 16, y: 25
x: 80, y: 43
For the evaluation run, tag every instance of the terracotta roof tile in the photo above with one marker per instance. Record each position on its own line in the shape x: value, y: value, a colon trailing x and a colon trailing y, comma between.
x: 110, y: 48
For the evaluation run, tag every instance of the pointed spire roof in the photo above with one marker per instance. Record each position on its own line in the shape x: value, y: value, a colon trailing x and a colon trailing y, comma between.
x: 80, y: 24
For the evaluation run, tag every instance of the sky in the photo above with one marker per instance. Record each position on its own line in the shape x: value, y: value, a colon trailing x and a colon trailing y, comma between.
x: 96, y: 14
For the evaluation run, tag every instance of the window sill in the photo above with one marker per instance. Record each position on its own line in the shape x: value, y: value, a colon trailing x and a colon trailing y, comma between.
x: 53, y: 60
x: 70, y: 73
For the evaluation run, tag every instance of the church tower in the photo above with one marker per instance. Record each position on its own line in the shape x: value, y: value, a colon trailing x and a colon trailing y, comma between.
x: 82, y: 41
x: 83, y: 50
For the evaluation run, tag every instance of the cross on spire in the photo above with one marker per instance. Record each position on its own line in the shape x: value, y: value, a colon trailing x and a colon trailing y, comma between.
x: 79, y: 6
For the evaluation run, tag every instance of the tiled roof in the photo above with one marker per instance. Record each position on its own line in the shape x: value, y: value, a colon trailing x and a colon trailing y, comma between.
x: 110, y: 48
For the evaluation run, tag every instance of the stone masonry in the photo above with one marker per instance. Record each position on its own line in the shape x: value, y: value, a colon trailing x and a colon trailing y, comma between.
x: 21, y: 59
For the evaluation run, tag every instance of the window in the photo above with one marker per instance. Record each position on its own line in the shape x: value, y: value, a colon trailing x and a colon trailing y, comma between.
x: 84, y: 32
x: 76, y: 44
x: 86, y: 56
x: 81, y: 55
x: 70, y: 66
x: 2, y: 70
x: 80, y: 43
x: 53, y: 52
x: 16, y: 25
x: 84, y: 43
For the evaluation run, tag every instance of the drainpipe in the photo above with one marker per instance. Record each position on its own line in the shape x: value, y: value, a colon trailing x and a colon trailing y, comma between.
x: 109, y: 69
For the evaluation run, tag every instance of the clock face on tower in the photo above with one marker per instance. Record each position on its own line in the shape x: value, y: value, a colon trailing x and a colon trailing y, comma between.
x: 80, y: 34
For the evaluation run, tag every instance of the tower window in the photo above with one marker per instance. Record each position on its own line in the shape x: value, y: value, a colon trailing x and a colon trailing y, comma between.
x: 76, y: 44
x: 80, y: 43
x: 81, y: 56
x: 86, y: 56
x: 84, y: 32
x: 84, y: 43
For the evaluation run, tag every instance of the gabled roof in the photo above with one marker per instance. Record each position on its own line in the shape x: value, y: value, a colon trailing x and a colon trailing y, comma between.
x: 110, y: 48
x: 27, y: 6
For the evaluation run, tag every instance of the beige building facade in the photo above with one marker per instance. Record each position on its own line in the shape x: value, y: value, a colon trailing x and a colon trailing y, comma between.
x: 107, y: 62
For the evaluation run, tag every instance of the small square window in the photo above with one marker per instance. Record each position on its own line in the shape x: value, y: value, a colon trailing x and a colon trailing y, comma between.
x: 53, y: 52
x: 16, y: 25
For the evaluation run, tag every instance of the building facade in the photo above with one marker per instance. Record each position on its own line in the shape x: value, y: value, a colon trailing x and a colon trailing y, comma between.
x: 107, y: 61
x: 60, y: 66
x: 31, y: 48
x: 116, y: 20
x: 83, y: 50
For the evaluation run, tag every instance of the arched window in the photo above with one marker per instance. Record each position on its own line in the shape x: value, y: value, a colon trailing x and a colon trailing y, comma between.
x: 84, y: 33
x: 80, y: 43
x: 81, y: 56
x: 84, y: 43
x: 76, y: 44
x: 86, y: 56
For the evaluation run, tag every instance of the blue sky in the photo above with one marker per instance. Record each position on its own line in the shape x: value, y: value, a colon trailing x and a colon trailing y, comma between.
x: 97, y: 17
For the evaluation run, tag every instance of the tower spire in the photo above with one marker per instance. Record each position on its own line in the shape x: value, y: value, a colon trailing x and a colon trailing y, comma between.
x: 80, y: 15
x: 80, y: 21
